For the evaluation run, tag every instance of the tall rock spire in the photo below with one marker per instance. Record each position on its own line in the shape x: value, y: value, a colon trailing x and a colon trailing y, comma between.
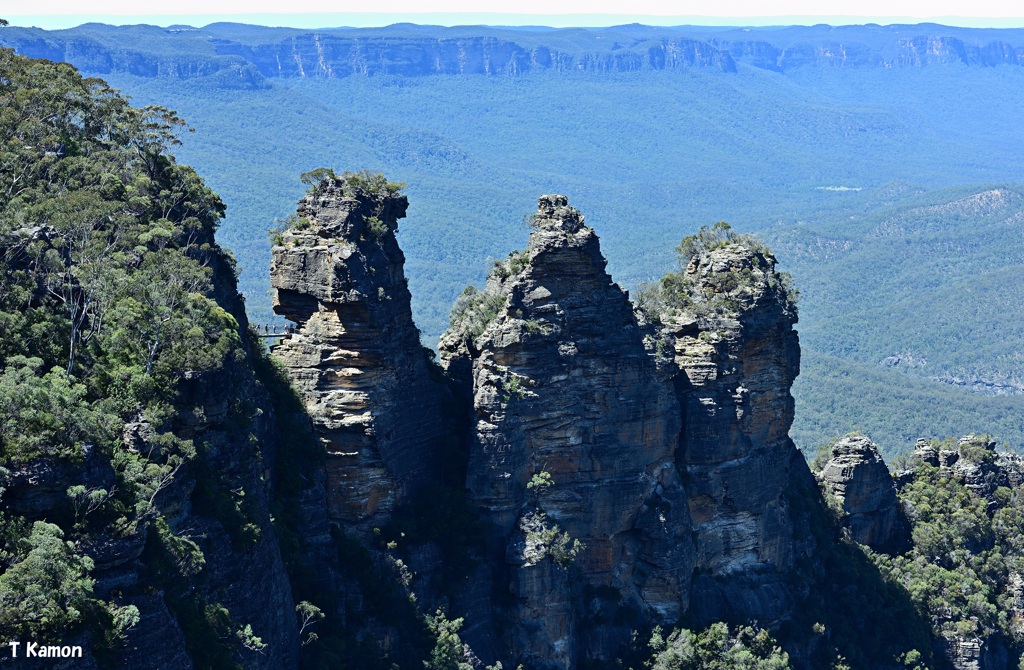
x: 572, y: 440
x: 730, y: 325
x: 355, y: 357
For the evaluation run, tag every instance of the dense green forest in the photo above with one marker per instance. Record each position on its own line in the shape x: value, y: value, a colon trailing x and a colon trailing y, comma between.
x: 845, y: 171
x: 106, y: 306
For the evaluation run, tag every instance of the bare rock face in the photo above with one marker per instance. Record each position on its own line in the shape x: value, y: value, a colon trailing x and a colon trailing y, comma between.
x: 572, y: 445
x: 926, y: 452
x: 858, y: 477
x: 355, y: 356
x: 974, y: 654
x: 737, y: 354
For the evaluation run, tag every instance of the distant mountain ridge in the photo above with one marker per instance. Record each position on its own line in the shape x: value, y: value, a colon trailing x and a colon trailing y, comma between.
x: 245, y: 55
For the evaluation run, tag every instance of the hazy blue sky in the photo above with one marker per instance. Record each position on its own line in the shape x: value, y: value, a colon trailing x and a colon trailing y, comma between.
x: 322, y: 13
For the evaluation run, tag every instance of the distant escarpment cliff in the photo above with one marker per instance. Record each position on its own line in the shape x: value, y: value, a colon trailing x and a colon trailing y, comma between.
x: 240, y: 56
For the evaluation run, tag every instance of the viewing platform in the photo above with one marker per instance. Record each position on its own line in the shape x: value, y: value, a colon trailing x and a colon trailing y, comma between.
x: 268, y: 330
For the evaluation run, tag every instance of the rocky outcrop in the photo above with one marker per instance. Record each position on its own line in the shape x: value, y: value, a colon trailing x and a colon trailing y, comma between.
x: 573, y: 439
x: 733, y: 342
x: 973, y: 461
x: 354, y: 356
x: 858, y: 478
x: 663, y: 450
x: 244, y: 568
x: 975, y: 654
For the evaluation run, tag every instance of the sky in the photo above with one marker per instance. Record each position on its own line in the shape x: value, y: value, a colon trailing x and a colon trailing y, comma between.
x: 558, y: 13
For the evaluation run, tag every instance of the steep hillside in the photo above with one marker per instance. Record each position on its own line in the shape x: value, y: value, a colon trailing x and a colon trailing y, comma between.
x: 936, y: 315
x: 134, y: 435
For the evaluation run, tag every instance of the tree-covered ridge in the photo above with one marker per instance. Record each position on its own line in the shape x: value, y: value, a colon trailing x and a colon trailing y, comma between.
x: 901, y: 320
x: 693, y: 289
x: 106, y: 308
x: 100, y: 227
x: 966, y: 508
x: 960, y: 560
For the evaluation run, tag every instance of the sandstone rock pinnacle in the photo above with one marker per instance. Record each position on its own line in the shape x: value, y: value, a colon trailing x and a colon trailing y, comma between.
x: 856, y: 475
x: 355, y: 356
x: 572, y: 419
x: 737, y: 355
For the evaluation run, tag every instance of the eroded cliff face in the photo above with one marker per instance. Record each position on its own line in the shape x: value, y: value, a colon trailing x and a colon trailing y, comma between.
x: 858, y: 478
x: 574, y: 431
x: 234, y: 60
x: 737, y: 355
x: 355, y: 356
x: 630, y: 473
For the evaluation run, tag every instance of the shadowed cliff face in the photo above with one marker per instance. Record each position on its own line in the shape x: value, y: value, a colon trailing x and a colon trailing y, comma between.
x: 737, y: 356
x: 566, y: 397
x: 585, y: 424
x: 355, y: 357
x: 858, y: 477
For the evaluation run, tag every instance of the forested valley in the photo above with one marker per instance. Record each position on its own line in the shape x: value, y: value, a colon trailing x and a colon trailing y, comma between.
x: 156, y: 461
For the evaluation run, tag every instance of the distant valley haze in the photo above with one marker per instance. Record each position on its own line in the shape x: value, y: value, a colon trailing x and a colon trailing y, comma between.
x: 880, y: 162
x: 53, y: 14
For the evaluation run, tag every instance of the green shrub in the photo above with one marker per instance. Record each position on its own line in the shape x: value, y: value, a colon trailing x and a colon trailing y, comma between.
x: 474, y: 310
x: 544, y: 538
x: 716, y: 648
x: 680, y: 291
x: 291, y: 222
x: 369, y: 184
x: 47, y: 415
x: 376, y: 226
x: 46, y: 589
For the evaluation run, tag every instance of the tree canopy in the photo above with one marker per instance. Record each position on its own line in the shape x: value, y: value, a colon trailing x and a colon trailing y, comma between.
x: 107, y: 264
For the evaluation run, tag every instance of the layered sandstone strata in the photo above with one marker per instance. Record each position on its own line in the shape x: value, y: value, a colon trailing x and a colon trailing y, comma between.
x: 573, y: 420
x: 737, y: 355
x: 355, y: 357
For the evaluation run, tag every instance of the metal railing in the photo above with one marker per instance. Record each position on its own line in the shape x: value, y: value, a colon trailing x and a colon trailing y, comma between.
x: 272, y: 330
